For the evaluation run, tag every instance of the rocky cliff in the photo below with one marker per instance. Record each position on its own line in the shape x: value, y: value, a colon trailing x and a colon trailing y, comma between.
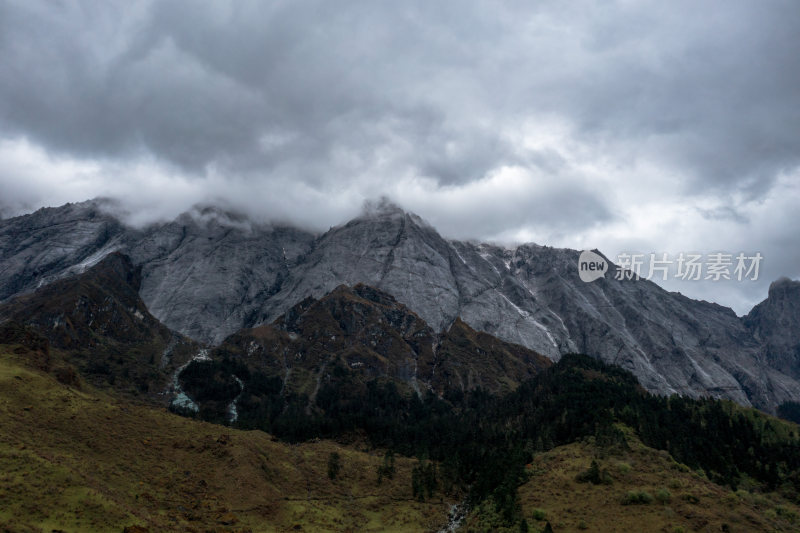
x: 775, y: 323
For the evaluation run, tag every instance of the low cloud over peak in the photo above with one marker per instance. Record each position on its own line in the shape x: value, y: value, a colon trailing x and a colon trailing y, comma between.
x: 622, y: 126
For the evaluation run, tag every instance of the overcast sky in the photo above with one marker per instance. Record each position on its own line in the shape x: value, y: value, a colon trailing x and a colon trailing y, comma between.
x: 624, y: 126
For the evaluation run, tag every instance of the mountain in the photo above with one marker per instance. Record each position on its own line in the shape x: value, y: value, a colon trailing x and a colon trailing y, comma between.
x: 53, y: 243
x: 533, y: 296
x: 96, y: 322
x: 210, y: 273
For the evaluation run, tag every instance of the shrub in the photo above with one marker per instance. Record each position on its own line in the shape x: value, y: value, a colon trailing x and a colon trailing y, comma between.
x: 634, y: 497
x: 663, y: 496
x: 691, y: 498
x: 624, y: 467
x: 788, y: 514
x: 731, y: 499
x: 539, y: 514
x: 675, y: 483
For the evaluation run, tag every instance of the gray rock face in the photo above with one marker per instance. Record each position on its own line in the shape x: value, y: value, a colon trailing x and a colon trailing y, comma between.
x: 775, y: 322
x: 202, y: 274
x: 673, y: 344
x: 439, y: 280
x: 51, y: 243
x: 208, y: 274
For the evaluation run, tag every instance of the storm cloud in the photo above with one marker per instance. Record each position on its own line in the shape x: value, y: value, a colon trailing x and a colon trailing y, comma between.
x: 623, y: 126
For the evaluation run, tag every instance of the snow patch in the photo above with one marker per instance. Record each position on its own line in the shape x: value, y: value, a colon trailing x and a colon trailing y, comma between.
x: 183, y: 402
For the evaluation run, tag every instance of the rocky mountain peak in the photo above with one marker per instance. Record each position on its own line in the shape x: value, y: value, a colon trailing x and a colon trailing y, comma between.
x: 386, y: 211
x: 784, y: 288
x: 776, y: 323
x: 383, y: 207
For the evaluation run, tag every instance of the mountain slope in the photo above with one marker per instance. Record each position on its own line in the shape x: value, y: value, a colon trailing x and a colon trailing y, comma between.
x: 97, y: 322
x: 342, y: 342
x: 85, y: 460
x: 205, y: 272
x: 53, y: 243
x: 400, y: 254
x: 681, y: 500
x: 480, y: 445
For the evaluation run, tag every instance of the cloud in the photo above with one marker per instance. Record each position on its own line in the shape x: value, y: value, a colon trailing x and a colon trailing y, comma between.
x: 616, y: 125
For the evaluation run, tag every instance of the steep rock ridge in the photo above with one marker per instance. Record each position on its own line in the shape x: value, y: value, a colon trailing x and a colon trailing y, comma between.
x: 52, y: 243
x: 673, y: 344
x: 775, y: 322
x: 210, y: 273
x: 400, y: 254
x: 77, y: 311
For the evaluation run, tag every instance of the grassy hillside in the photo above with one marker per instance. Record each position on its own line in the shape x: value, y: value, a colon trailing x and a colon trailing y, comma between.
x: 638, y: 489
x: 80, y: 460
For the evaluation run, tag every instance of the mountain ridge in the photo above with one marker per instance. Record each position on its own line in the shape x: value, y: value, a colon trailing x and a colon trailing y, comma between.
x: 208, y: 276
